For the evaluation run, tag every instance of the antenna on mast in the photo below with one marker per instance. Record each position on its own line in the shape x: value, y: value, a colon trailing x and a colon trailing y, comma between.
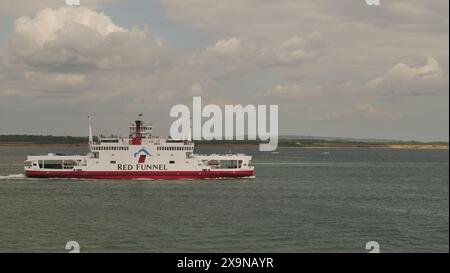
x: 190, y: 130
x: 91, y: 139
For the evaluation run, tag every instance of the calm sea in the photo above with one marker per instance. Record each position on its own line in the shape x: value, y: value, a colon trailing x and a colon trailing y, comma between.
x: 302, y: 200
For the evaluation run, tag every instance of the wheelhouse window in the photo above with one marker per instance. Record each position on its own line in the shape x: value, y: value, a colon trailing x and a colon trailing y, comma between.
x: 224, y: 164
x: 52, y: 164
x: 68, y: 164
x: 228, y: 164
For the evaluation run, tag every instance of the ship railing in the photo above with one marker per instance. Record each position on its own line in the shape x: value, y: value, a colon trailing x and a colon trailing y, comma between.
x: 56, y: 155
x: 222, y: 155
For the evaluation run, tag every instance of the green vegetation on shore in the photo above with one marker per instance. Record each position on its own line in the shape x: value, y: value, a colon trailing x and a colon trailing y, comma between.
x: 330, y: 143
x: 40, y: 139
x: 289, y: 142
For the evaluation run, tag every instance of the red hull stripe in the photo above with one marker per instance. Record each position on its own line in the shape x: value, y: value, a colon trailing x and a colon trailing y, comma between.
x: 138, y: 175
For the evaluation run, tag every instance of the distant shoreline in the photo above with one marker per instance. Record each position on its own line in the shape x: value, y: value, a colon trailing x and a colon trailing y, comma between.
x: 406, y: 146
x: 28, y: 145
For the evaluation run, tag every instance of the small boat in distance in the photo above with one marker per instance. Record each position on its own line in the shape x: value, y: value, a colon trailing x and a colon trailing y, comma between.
x: 139, y: 156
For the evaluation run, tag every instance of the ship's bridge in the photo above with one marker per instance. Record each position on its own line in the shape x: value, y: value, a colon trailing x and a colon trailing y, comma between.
x: 140, y: 135
x: 109, y: 139
x: 145, y: 130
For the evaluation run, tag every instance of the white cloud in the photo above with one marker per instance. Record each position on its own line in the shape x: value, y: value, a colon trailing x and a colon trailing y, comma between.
x: 294, y: 51
x: 403, y: 79
x: 50, y: 24
x: 79, y: 40
x: 227, y: 48
x: 80, y: 55
x: 297, y: 49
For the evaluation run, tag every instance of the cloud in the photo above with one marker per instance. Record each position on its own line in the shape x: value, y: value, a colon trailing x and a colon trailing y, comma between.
x: 338, y: 61
x: 262, y: 17
x: 81, y: 55
x: 360, y: 112
x: 403, y: 79
x: 227, y: 48
x: 15, y: 8
x: 295, y: 92
x: 361, y: 38
x: 50, y: 24
x: 249, y: 18
x: 296, y: 49
x: 291, y: 52
x: 79, y: 39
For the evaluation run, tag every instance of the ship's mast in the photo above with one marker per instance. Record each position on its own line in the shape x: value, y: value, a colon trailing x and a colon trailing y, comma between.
x: 190, y: 130
x: 91, y: 138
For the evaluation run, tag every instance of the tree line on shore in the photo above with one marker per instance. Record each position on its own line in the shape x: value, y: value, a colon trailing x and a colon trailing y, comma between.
x: 50, y: 139
x: 41, y: 139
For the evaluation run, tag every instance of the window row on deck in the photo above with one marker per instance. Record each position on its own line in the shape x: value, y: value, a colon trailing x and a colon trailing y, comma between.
x: 180, y: 148
x: 110, y: 148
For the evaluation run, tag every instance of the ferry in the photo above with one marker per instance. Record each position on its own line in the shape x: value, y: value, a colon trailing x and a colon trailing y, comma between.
x: 139, y: 156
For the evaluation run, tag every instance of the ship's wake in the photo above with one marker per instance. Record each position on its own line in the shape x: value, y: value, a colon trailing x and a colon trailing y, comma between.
x: 194, y: 179
x: 20, y: 176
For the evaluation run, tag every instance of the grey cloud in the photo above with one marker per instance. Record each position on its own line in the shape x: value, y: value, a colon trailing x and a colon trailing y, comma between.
x: 361, y: 38
x: 360, y: 111
x: 334, y: 67
x: 295, y: 92
x: 257, y: 17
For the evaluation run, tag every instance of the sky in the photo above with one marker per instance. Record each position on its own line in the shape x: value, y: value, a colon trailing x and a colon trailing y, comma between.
x: 334, y: 68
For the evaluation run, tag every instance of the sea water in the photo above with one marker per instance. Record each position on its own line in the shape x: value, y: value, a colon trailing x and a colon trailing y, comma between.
x: 301, y: 200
